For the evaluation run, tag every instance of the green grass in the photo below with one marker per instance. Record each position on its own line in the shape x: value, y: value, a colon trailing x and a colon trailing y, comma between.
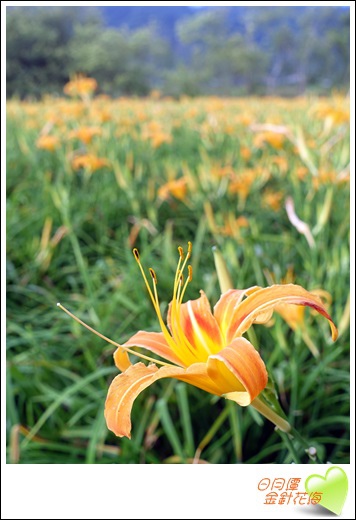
x: 58, y: 373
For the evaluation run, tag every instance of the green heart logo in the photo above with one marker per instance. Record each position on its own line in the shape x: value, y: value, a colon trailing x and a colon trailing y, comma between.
x: 332, y: 488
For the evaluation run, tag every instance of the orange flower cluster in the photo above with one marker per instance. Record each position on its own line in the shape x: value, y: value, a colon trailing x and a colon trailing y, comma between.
x: 154, y: 132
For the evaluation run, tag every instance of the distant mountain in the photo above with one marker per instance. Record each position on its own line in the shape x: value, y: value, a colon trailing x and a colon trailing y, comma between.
x: 166, y: 17
x: 257, y: 22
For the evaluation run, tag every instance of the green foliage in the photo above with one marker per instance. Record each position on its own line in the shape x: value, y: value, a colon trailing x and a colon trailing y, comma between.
x: 178, y: 50
x: 125, y: 63
x: 37, y: 49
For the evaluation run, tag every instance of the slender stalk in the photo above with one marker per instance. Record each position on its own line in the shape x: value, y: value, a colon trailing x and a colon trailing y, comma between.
x: 267, y: 412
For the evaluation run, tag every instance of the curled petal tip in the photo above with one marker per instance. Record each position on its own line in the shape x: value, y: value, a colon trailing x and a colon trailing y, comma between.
x: 334, y: 331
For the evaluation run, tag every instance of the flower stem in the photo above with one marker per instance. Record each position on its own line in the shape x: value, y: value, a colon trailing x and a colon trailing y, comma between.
x: 267, y: 412
x: 224, y: 277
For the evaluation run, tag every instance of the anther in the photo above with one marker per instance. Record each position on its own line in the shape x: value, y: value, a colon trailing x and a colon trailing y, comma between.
x: 190, y: 273
x: 136, y: 254
x: 181, y: 252
x: 190, y: 247
x: 181, y: 279
x: 153, y: 275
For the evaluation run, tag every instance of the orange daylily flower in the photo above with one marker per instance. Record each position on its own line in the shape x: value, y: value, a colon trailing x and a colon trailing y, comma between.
x: 336, y: 115
x: 154, y: 132
x: 85, y: 133
x: 274, y: 139
x: 176, y: 188
x: 48, y: 142
x: 325, y: 177
x: 80, y: 86
x: 245, y: 153
x: 155, y: 94
x: 232, y: 224
x: 242, y: 182
x: 272, y: 199
x: 89, y: 161
x: 301, y: 172
x: 281, y: 162
x: 203, y: 348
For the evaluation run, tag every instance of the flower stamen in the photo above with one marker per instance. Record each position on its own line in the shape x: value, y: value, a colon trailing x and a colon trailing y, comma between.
x: 188, y: 280
x: 127, y: 349
x: 176, y: 339
x: 178, y: 293
x: 153, y: 275
x: 155, y: 302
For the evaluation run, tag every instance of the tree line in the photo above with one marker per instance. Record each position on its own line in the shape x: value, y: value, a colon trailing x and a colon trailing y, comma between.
x: 282, y: 51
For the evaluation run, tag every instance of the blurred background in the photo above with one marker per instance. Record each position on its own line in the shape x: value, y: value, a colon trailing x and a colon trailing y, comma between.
x: 150, y: 127
x: 179, y: 50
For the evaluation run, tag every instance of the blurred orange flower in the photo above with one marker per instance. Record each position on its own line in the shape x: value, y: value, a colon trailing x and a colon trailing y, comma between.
x: 245, y: 153
x: 220, y: 171
x: 153, y: 131
x: 273, y: 199
x: 281, y: 162
x: 231, y: 226
x: 329, y: 177
x: 301, y: 172
x: 89, y: 162
x: 334, y: 115
x: 274, y: 139
x: 85, y: 133
x: 47, y: 142
x: 80, y: 86
x: 242, y: 182
x: 176, y: 188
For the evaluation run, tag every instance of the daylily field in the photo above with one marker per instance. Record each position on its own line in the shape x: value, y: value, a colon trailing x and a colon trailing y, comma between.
x: 264, y: 181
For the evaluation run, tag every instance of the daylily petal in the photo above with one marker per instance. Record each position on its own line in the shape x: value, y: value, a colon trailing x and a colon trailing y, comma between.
x: 263, y: 301
x: 294, y: 314
x: 121, y: 395
x: 197, y: 375
x: 155, y: 342
x: 225, y: 308
x: 239, y: 370
x: 199, y: 327
x: 127, y: 386
x: 122, y: 360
